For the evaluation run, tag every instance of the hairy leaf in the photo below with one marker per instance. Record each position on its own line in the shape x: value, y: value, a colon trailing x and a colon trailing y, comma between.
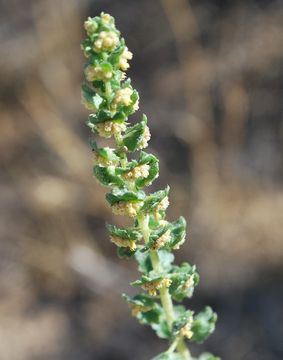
x: 203, y: 325
x: 124, y: 195
x: 134, y: 135
x: 107, y: 176
x: 152, y: 201
x: 124, y: 233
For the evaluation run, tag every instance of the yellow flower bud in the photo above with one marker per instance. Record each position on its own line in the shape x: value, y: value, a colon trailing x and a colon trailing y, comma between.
x: 186, y: 330
x: 110, y: 128
x: 162, y: 240
x: 123, y: 242
x: 123, y: 63
x: 137, y: 172
x: 136, y: 309
x: 93, y: 73
x: 153, y: 286
x: 106, y: 41
x: 145, y: 139
x: 123, y: 97
x: 101, y: 161
x: 106, y: 17
x: 126, y: 208
x: 90, y: 26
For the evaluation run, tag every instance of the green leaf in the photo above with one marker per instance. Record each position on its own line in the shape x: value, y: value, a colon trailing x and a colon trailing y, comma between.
x: 166, y: 258
x: 105, y: 115
x: 147, y: 279
x: 151, y: 317
x: 182, y: 320
x: 161, y: 328
x: 203, y: 325
x: 130, y: 109
x: 106, y: 176
x: 134, y: 135
x: 144, y: 262
x: 99, y: 117
x: 152, y: 201
x: 141, y: 300
x: 178, y: 233
x: 208, y: 356
x: 184, y: 279
x: 124, y: 233
x: 154, y: 237
x: 124, y: 195
x: 106, y: 66
x: 108, y: 154
x: 130, y: 166
x: 153, y: 163
x: 144, y: 159
x: 157, y: 320
x: 114, y: 58
x: 91, y: 97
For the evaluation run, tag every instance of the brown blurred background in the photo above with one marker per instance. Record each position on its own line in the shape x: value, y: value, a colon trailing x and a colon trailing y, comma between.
x: 210, y: 77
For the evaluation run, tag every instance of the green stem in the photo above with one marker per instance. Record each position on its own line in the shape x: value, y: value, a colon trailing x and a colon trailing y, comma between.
x: 165, y: 296
x: 108, y: 90
x: 183, y: 350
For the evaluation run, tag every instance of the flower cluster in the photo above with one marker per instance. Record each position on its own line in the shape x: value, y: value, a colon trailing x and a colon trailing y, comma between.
x: 151, y: 239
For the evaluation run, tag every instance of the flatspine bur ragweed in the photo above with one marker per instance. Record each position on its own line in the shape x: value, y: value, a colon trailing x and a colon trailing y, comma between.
x: 109, y: 95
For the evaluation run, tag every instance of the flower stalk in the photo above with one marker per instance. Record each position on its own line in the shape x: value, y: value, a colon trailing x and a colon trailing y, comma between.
x: 108, y: 94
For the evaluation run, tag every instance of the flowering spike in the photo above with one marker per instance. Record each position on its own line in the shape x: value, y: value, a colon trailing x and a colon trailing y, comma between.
x: 111, y: 99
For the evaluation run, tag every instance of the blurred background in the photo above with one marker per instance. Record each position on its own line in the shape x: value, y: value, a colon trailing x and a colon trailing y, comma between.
x: 210, y: 77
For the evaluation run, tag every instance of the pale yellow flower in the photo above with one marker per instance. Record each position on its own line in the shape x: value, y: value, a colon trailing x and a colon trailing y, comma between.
x: 106, y: 41
x: 125, y: 56
x: 110, y: 128
x: 137, y: 172
x: 126, y: 208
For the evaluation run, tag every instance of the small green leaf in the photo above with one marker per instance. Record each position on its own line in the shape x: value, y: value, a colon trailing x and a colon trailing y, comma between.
x: 134, y: 135
x: 124, y: 233
x: 99, y: 117
x: 103, y: 116
x: 184, y: 279
x: 106, y: 153
x: 91, y: 97
x: 144, y: 262
x: 141, y: 300
x: 178, y: 233
x: 157, y: 320
x: 147, y: 279
x: 182, y: 320
x: 203, y: 325
x: 106, y: 66
x: 106, y: 176
x: 155, y: 236
x: 114, y: 58
x: 161, y: 328
x: 124, y: 195
x: 151, y: 317
x: 153, y: 163
x: 166, y: 258
x: 152, y: 201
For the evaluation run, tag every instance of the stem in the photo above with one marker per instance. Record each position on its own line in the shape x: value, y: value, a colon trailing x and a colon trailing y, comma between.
x: 108, y: 90
x: 183, y: 350
x: 165, y: 296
